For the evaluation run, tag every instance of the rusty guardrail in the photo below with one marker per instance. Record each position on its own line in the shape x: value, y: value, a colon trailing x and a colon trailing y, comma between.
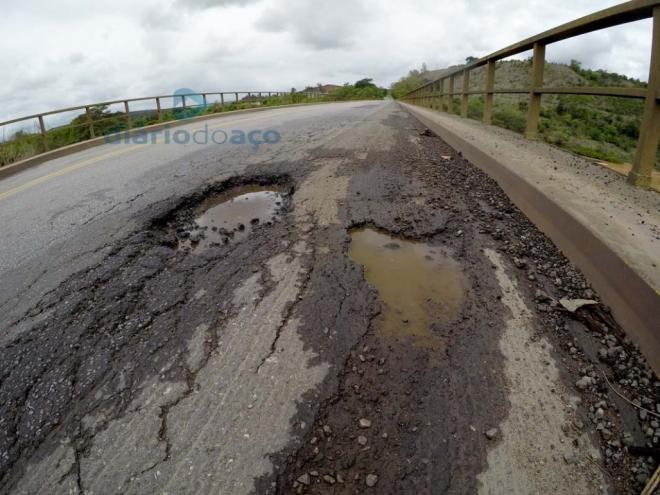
x: 439, y: 94
x: 226, y: 101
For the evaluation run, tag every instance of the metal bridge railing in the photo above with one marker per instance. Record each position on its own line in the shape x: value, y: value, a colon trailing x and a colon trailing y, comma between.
x: 439, y: 94
x: 92, y: 117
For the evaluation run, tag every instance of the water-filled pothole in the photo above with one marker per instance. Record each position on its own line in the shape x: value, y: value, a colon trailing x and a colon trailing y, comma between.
x: 231, y: 216
x: 417, y: 283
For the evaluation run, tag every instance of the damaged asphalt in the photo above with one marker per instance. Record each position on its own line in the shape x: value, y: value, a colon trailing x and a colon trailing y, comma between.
x: 260, y: 365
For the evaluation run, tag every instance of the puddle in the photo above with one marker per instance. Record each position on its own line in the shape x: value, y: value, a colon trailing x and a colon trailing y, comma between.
x: 232, y: 215
x: 417, y: 283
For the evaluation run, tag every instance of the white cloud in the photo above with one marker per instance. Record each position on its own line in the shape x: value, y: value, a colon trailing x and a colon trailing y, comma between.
x: 208, y: 4
x: 69, y: 52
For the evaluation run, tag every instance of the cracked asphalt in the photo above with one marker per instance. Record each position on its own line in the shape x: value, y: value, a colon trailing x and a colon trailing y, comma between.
x: 131, y: 365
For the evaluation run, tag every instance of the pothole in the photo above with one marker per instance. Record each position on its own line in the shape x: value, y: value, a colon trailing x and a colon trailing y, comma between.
x: 417, y: 283
x: 232, y: 215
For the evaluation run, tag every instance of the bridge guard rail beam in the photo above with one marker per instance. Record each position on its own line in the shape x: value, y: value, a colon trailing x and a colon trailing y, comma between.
x: 433, y: 95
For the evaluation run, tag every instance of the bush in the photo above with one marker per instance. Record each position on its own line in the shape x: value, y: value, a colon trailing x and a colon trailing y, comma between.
x: 510, y: 118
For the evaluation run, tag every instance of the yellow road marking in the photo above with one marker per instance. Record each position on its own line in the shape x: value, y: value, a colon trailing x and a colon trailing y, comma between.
x: 90, y: 161
x: 64, y: 171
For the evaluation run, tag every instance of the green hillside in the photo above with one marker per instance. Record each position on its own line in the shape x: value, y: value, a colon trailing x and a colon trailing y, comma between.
x: 601, y: 127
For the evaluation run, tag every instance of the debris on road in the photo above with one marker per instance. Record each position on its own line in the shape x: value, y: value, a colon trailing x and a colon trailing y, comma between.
x: 573, y: 305
x: 371, y: 480
x: 492, y: 433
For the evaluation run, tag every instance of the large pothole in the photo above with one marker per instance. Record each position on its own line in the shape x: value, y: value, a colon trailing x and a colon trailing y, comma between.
x: 230, y: 216
x: 418, y: 284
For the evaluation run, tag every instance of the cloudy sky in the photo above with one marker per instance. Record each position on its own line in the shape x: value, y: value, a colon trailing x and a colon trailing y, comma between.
x: 68, y: 52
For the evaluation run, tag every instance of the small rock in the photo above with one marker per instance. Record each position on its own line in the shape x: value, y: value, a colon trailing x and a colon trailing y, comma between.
x: 304, y: 479
x: 365, y: 423
x: 541, y: 296
x: 362, y: 440
x: 584, y: 382
x: 492, y: 433
x: 371, y: 480
x: 570, y: 457
x: 329, y: 479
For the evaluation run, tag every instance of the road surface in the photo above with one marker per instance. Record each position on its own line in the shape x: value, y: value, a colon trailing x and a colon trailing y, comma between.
x: 391, y: 326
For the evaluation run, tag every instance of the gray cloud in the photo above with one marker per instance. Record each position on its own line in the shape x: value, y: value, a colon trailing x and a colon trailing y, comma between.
x: 320, y: 25
x: 160, y: 18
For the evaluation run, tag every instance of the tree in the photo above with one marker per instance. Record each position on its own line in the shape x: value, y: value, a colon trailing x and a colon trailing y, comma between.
x: 469, y: 60
x: 365, y: 83
x: 413, y: 80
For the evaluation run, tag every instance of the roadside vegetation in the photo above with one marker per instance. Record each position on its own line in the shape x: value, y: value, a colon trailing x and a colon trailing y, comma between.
x: 599, y: 127
x: 24, y: 144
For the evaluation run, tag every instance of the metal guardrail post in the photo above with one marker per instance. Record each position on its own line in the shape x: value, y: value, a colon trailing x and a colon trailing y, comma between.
x: 128, y: 114
x: 450, y: 106
x: 90, y: 122
x: 183, y: 101
x: 236, y: 95
x: 441, y: 95
x: 158, y: 110
x: 466, y: 88
x: 490, y: 85
x: 434, y: 95
x: 222, y: 101
x: 538, y: 63
x: 204, y: 98
x: 42, y: 129
x: 649, y: 132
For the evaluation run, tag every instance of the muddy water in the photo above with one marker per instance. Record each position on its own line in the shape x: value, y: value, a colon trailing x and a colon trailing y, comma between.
x: 232, y: 215
x: 418, y: 285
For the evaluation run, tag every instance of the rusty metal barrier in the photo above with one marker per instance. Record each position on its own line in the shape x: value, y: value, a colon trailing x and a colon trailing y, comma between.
x: 227, y: 100
x: 439, y: 94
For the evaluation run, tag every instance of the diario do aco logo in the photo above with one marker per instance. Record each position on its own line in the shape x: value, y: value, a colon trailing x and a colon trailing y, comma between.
x: 187, y: 104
